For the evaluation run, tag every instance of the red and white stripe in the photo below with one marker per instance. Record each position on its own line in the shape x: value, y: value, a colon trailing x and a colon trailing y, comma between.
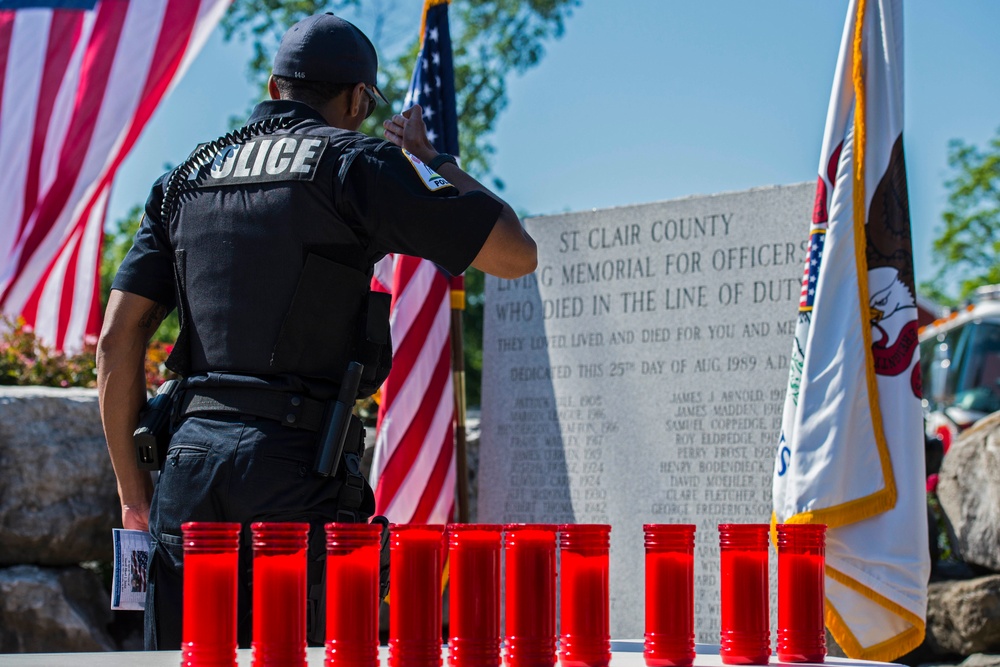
x: 413, y: 469
x: 76, y: 89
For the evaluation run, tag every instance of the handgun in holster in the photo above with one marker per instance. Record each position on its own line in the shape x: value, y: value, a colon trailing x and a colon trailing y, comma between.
x: 336, y: 423
x: 152, y: 436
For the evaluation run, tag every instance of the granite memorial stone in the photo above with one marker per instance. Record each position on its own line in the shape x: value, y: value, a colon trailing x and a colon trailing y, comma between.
x: 638, y: 376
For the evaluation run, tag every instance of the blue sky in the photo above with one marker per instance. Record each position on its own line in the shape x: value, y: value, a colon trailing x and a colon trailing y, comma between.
x: 647, y: 100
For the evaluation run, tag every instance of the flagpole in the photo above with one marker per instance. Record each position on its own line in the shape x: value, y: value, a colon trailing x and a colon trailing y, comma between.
x: 458, y: 382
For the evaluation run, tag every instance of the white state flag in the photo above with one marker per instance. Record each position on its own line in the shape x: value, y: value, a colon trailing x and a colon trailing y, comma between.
x: 851, y: 448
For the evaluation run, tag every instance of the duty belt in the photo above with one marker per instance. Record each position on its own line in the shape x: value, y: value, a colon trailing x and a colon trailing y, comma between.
x: 295, y: 411
x: 292, y: 410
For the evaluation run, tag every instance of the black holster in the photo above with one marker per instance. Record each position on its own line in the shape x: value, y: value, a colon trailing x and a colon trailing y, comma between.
x: 152, y: 436
x: 337, y: 422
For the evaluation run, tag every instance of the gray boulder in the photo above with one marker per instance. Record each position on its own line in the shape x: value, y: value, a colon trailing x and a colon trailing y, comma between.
x: 969, y: 491
x: 982, y: 660
x: 58, y: 497
x: 53, y: 610
x: 963, y: 617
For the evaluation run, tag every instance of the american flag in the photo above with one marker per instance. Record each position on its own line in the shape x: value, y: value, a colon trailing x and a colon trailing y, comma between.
x: 817, y: 233
x: 79, y: 80
x: 413, y: 469
x: 817, y: 237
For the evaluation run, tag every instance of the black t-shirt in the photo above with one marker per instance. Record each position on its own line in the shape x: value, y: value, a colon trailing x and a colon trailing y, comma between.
x: 383, y: 197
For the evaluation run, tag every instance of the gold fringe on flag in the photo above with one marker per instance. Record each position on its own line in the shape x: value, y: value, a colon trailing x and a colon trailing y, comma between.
x: 423, y: 17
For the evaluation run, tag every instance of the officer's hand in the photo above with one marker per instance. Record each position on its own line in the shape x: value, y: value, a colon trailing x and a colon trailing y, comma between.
x: 135, y: 517
x: 407, y: 130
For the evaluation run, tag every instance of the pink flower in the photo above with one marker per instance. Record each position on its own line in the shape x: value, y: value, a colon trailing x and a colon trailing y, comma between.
x: 932, y: 483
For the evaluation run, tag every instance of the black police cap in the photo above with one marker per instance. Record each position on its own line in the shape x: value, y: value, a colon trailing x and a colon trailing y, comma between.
x: 324, y: 47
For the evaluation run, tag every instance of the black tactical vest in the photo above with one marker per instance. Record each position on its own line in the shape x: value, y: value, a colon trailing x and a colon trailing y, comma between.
x: 271, y: 277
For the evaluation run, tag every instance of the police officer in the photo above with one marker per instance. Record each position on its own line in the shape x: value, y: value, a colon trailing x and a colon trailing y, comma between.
x: 264, y: 241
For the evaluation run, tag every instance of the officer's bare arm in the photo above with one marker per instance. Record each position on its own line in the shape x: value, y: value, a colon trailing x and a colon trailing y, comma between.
x: 509, y: 252
x: 129, y: 322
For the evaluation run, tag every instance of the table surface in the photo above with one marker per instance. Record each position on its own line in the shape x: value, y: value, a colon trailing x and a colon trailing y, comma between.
x: 625, y: 653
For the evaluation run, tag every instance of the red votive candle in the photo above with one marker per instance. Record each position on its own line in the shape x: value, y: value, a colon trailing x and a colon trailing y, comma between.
x: 801, y: 573
x: 530, y: 595
x: 279, y: 594
x: 584, y: 619
x: 669, y: 595
x: 474, y: 595
x: 415, y: 595
x: 746, y: 619
x: 352, y: 589
x: 211, y: 562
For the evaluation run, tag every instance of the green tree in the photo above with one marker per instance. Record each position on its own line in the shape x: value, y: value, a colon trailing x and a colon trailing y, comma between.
x: 967, y: 248
x: 472, y: 334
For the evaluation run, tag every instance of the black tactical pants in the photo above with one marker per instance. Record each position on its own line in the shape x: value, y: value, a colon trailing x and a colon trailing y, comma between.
x: 239, y: 470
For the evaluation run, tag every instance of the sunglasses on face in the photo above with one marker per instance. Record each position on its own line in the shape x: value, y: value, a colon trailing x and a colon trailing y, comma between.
x: 372, y: 102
